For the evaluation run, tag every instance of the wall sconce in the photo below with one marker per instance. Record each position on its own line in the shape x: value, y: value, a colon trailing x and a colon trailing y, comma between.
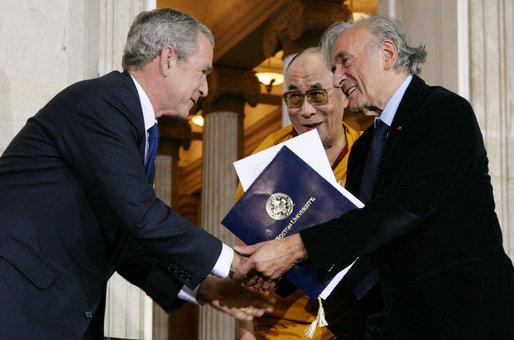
x: 359, y: 12
x: 270, y: 79
x: 356, y: 16
x: 197, y: 120
x: 269, y: 76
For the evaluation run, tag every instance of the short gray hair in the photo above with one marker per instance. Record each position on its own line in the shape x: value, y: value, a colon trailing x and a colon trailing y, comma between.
x: 152, y: 30
x: 382, y: 28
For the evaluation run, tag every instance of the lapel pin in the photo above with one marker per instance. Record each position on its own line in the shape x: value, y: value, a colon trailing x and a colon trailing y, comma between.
x: 398, y: 128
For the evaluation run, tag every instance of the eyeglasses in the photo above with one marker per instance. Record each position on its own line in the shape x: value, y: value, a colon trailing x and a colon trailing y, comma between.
x: 316, y: 97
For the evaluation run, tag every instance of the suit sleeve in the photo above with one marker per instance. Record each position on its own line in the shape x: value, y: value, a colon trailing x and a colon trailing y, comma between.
x: 144, y: 271
x: 101, y: 141
x: 428, y: 164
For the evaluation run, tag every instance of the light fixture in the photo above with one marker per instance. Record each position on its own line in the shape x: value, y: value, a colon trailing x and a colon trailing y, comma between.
x: 356, y: 16
x: 269, y: 78
x: 358, y: 12
x: 197, y: 120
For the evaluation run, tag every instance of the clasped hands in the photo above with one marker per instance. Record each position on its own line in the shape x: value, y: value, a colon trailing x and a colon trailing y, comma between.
x: 254, y: 267
x: 267, y: 261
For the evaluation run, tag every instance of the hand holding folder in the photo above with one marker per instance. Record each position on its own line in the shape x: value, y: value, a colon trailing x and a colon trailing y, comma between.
x: 287, y: 196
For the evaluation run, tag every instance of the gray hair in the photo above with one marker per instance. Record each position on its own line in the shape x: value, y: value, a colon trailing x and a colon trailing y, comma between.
x: 382, y: 28
x: 152, y: 30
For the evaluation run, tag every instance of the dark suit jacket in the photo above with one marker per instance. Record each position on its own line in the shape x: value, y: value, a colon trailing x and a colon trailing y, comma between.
x: 75, y: 206
x: 430, y: 229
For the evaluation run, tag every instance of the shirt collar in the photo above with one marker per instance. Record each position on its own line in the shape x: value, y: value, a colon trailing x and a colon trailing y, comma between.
x: 146, y: 105
x: 389, y: 112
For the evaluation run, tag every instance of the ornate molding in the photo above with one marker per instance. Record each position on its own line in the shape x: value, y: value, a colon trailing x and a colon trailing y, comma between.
x: 289, y: 25
x: 173, y: 134
x: 229, y: 89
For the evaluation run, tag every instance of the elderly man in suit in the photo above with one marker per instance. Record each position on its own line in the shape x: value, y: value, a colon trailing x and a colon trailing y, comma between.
x: 428, y: 236
x: 77, y: 202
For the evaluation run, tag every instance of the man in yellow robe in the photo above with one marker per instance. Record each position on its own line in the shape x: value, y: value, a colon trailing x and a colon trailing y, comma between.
x: 313, y: 103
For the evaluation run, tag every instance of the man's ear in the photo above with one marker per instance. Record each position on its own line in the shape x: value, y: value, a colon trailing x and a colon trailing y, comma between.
x: 390, y: 54
x: 167, y: 60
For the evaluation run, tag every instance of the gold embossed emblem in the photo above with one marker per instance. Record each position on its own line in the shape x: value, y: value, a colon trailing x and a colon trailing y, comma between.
x: 279, y: 206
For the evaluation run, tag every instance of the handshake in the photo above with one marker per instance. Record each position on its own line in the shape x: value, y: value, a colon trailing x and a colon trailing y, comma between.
x: 254, y: 267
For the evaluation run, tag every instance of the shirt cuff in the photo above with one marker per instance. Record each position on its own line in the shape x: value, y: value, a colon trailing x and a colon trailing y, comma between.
x: 221, y: 269
x: 222, y: 266
x: 189, y: 295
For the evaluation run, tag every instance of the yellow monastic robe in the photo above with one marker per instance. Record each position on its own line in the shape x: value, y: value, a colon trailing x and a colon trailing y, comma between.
x: 294, y: 314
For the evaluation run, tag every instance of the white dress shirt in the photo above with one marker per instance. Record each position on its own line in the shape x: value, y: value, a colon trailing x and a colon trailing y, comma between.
x: 391, y: 107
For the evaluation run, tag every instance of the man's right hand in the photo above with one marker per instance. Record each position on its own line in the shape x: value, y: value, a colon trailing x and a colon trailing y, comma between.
x: 269, y: 260
x: 253, y: 278
x: 237, y: 262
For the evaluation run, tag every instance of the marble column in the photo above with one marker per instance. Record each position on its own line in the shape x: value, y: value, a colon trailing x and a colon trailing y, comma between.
x: 297, y: 25
x: 223, y: 112
x: 174, y: 133
x: 491, y: 50
x: 163, y: 190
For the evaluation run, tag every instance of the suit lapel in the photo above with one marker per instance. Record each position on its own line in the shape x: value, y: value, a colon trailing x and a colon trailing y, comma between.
x: 412, y: 99
x: 138, y: 111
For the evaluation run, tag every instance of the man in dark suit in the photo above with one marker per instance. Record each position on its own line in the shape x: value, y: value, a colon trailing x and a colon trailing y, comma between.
x: 77, y: 203
x: 428, y: 231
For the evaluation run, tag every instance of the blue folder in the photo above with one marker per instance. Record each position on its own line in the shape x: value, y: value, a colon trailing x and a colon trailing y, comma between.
x: 286, y: 197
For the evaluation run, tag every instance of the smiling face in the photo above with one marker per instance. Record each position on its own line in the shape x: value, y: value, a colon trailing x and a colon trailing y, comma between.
x: 187, y: 80
x: 308, y: 72
x: 358, y: 72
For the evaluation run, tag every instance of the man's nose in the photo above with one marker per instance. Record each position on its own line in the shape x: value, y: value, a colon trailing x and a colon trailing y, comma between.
x: 339, y: 77
x: 204, y: 87
x: 307, y: 108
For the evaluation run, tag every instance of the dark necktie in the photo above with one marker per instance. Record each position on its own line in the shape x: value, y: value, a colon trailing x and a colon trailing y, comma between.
x: 153, y: 143
x: 362, y: 276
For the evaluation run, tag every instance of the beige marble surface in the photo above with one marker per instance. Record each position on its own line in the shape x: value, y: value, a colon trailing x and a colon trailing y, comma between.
x: 492, y: 96
x: 218, y: 189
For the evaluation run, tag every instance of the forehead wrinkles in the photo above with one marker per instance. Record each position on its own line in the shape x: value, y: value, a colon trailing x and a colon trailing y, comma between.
x: 351, y: 42
x: 308, y: 77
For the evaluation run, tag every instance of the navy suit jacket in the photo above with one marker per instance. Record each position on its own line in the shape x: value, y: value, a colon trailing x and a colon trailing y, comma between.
x: 430, y: 229
x: 75, y: 206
